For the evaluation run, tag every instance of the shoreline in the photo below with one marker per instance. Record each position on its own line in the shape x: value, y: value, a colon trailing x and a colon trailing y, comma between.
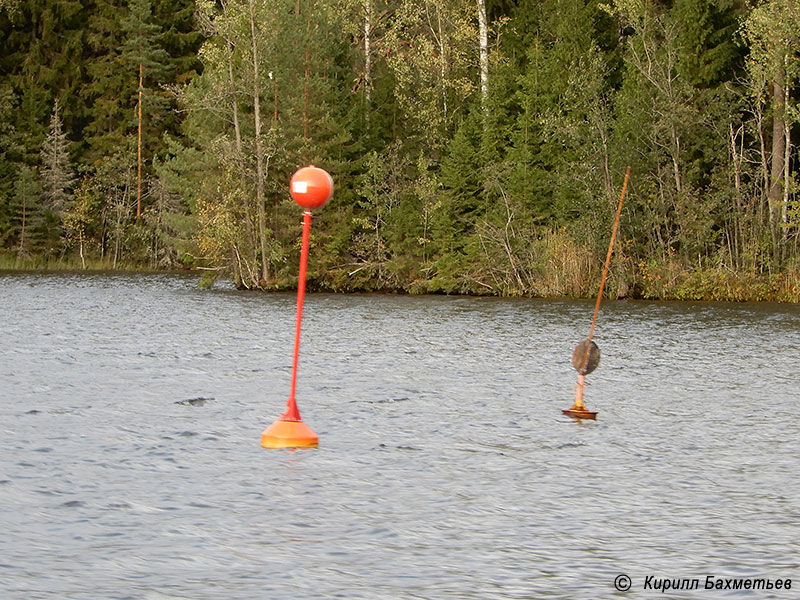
x: 705, y: 286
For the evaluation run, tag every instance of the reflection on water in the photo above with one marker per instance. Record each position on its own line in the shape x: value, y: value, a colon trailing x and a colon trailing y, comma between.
x: 132, y: 408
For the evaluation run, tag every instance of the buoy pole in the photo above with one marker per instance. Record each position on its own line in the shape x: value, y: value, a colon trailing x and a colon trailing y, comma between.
x: 579, y: 405
x: 579, y: 409
x: 292, y: 412
x: 310, y: 188
x: 608, y: 257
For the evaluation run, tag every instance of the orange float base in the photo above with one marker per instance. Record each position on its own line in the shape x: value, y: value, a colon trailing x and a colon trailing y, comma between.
x: 289, y: 434
x: 580, y: 412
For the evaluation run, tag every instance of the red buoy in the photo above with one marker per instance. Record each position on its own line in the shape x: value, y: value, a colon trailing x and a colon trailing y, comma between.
x: 311, y: 187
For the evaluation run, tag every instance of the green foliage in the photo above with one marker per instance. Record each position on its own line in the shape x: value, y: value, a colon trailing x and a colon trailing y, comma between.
x: 709, y: 54
x: 432, y: 46
x: 26, y: 213
x: 142, y: 51
x: 56, y: 171
x: 438, y: 189
x: 10, y: 151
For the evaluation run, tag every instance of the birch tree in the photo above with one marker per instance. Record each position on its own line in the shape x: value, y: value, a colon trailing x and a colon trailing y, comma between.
x: 262, y: 161
x: 657, y: 118
x: 237, y: 60
x: 78, y: 218
x: 433, y: 55
x: 483, y: 52
x: 259, y: 108
x: 772, y: 32
x: 365, y: 22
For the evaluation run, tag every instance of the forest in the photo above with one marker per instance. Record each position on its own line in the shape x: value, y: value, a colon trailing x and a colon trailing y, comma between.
x: 476, y: 147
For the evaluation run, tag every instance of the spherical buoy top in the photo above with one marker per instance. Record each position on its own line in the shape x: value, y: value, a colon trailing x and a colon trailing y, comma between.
x: 311, y: 187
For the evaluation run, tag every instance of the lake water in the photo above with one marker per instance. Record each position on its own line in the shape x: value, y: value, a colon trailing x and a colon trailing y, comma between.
x: 131, y: 409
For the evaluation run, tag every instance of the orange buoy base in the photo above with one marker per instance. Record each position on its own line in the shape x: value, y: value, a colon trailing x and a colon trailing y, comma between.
x: 579, y: 412
x: 289, y: 434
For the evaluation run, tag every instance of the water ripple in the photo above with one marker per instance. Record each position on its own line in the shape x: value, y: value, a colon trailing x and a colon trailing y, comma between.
x: 133, y: 406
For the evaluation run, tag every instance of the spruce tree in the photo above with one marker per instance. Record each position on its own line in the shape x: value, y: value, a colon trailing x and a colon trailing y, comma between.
x: 10, y: 155
x: 181, y: 38
x: 709, y: 54
x: 110, y: 87
x: 43, y: 58
x: 142, y: 49
x: 27, y: 211
x: 56, y: 171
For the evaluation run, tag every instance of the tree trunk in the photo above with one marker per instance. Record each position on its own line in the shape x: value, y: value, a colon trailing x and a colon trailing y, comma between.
x: 80, y: 247
x: 787, y: 155
x: 237, y: 131
x: 777, y: 162
x: 307, y: 75
x: 139, y: 147
x: 736, y: 138
x: 23, y: 224
x: 484, y: 55
x: 261, y: 210
x: 763, y: 219
x: 237, y: 136
x: 367, y: 60
x: 442, y: 64
x: 676, y: 154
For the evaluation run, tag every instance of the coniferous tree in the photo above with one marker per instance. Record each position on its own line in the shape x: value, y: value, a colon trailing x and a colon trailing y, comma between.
x: 27, y: 211
x: 709, y: 54
x: 10, y: 155
x: 43, y: 57
x: 142, y: 49
x: 656, y: 118
x: 56, y: 172
x: 461, y: 164
x: 180, y: 38
x: 576, y: 117
x: 110, y: 86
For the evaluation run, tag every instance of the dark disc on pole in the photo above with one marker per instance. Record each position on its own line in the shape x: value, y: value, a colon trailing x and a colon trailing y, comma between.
x: 586, y: 364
